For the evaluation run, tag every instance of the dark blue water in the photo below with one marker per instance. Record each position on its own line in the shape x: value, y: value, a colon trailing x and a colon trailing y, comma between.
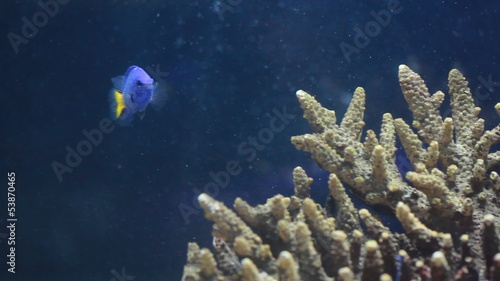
x: 232, y: 69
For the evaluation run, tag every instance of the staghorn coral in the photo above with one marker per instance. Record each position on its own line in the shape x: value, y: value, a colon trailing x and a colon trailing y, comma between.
x: 449, y: 204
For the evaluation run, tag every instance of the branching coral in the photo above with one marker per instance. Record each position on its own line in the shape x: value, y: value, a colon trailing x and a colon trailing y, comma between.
x: 449, y: 206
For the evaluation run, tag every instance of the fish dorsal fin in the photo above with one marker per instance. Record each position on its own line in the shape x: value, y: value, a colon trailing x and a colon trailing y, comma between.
x: 118, y: 82
x: 130, y: 68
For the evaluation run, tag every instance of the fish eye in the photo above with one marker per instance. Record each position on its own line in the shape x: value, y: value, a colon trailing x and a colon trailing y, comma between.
x: 139, y: 83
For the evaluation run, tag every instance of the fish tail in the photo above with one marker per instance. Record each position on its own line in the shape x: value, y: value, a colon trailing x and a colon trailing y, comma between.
x: 117, y: 103
x: 118, y: 108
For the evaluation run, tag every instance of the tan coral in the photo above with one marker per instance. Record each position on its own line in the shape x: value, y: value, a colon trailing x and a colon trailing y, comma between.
x: 288, y: 270
x: 367, y: 167
x: 449, y: 209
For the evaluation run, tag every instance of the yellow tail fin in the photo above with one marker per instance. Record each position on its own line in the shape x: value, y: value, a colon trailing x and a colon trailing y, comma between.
x: 119, y: 103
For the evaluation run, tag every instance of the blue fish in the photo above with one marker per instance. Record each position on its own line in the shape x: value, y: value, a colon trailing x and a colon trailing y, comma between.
x: 132, y: 93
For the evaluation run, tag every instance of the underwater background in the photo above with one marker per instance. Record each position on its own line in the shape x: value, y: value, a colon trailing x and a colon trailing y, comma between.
x: 127, y: 210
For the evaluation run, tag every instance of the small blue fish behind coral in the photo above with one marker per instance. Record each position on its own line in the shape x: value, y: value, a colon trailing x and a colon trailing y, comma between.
x: 132, y: 93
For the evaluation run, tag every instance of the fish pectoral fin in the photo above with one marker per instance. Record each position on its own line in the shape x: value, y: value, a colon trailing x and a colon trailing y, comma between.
x: 141, y: 114
x: 159, y: 97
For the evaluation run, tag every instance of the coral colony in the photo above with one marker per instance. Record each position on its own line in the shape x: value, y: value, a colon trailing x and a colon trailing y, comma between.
x: 449, y: 204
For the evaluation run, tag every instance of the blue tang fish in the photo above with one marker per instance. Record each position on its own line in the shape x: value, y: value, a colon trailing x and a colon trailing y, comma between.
x: 132, y: 93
